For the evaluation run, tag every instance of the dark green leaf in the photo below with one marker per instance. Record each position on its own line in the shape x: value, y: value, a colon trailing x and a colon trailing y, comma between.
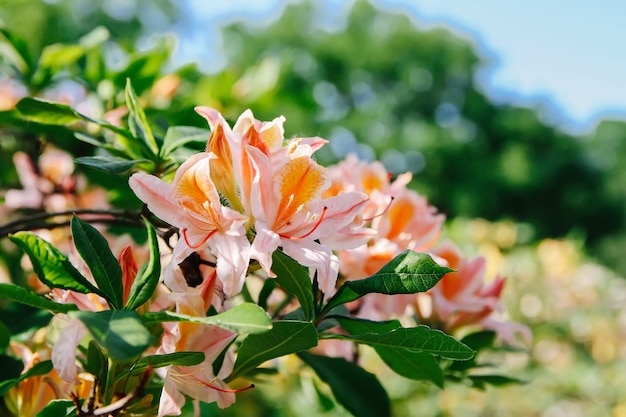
x: 5, y: 334
x: 147, y: 278
x: 53, y: 113
x: 408, y: 273
x: 420, y: 338
x: 294, y: 278
x: 496, y: 380
x: 95, y: 251
x: 48, y: 112
x: 40, y: 368
x: 177, y: 136
x: 357, y: 390
x: 244, y: 318
x: 25, y: 296
x: 408, y: 363
x: 158, y: 361
x: 121, y: 333
x: 286, y: 337
x: 9, y: 372
x: 96, y: 361
x: 476, y: 341
x: 109, y: 164
x: 58, y: 408
x: 138, y: 119
x: 18, y: 51
x: 51, y: 266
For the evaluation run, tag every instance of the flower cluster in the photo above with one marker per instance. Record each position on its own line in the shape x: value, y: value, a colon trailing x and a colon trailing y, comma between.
x: 249, y: 194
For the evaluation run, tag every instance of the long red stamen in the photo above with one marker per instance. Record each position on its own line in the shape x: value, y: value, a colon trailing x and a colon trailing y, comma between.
x: 202, y: 242
x: 206, y: 384
x: 319, y: 221
x: 391, y: 198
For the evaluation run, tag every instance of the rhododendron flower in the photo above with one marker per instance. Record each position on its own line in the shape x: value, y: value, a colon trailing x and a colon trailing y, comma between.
x: 192, y: 204
x: 31, y: 395
x: 250, y: 185
x: 197, y: 381
x: 463, y: 297
x: 401, y: 218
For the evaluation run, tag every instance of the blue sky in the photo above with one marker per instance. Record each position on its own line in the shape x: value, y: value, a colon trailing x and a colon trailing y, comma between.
x: 567, y: 57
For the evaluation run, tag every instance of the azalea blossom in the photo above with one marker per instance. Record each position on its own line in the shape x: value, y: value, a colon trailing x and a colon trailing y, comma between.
x: 197, y: 381
x: 464, y: 298
x: 250, y: 194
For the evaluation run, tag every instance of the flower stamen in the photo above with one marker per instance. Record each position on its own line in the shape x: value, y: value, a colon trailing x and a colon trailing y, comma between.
x: 385, y: 210
x: 202, y: 242
x: 307, y: 234
x: 234, y: 391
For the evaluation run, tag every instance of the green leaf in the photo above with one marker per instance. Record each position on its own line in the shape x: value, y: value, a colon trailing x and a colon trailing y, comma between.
x: 59, y: 114
x: 138, y: 119
x: 294, y: 278
x: 286, y: 337
x: 57, y: 56
x: 121, y: 333
x: 109, y: 164
x: 158, y: 361
x: 244, y: 318
x: 357, y: 390
x: 58, y: 408
x: 95, y: 251
x: 5, y: 334
x: 147, y: 278
x: 40, y: 368
x: 16, y: 49
x: 51, y: 266
x: 476, y: 341
x: 177, y: 136
x: 479, y: 381
x: 420, y: 338
x: 48, y: 112
x: 408, y: 363
x: 26, y: 296
x: 408, y: 273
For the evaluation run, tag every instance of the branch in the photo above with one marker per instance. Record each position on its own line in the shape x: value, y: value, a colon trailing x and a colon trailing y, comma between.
x: 42, y: 220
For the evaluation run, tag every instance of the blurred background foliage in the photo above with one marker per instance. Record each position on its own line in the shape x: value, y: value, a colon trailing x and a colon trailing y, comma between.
x: 552, y: 205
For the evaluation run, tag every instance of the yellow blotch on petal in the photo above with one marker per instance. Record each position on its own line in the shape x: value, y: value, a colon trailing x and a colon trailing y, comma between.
x: 400, y: 213
x: 301, y: 180
x: 222, y: 172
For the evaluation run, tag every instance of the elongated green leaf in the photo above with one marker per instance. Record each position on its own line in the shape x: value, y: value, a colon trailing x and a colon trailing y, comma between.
x: 108, y: 164
x: 140, y: 122
x: 147, y: 278
x: 121, y: 333
x: 95, y: 251
x: 158, y: 361
x: 177, y: 136
x: 357, y: 390
x: 294, y: 278
x: 408, y: 273
x: 58, y: 408
x: 476, y: 341
x: 48, y: 112
x: 26, y: 296
x: 51, y: 266
x: 16, y: 50
x: 479, y: 381
x: 244, y: 318
x: 53, y: 113
x: 420, y: 338
x: 40, y: 368
x: 5, y: 334
x: 408, y: 363
x: 286, y: 337
x: 56, y: 56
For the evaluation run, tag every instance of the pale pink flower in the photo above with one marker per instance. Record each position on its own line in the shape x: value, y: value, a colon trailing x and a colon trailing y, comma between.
x: 279, y: 187
x: 198, y: 381
x: 463, y: 297
x: 192, y: 204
